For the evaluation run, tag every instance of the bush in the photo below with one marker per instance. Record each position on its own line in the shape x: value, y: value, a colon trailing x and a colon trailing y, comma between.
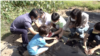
x: 47, y: 5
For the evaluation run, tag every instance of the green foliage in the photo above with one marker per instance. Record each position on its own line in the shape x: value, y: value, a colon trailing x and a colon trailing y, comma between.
x: 20, y: 3
x: 12, y: 9
x: 47, y: 5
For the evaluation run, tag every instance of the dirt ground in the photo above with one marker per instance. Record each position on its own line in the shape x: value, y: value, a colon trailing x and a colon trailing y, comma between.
x: 9, y: 44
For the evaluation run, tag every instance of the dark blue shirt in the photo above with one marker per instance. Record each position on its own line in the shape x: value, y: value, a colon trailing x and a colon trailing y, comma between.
x: 22, y: 21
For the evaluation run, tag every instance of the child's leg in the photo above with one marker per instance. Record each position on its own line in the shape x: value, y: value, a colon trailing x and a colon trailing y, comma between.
x: 90, y: 39
x: 42, y: 50
x: 81, y: 31
x: 97, y: 38
x: 72, y: 31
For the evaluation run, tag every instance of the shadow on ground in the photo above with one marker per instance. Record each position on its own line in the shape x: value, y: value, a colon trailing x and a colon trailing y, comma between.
x: 7, y: 34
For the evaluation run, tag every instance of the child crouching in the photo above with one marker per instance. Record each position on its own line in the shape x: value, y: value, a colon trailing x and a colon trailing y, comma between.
x: 37, y: 44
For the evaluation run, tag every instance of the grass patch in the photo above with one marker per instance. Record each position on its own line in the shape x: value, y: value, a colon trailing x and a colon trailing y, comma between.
x: 8, y: 17
x: 12, y: 9
x: 5, y: 28
x: 91, y: 5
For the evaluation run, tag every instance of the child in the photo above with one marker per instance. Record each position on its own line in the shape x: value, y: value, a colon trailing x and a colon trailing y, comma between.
x: 37, y: 45
x: 57, y: 22
x: 94, y: 34
x: 44, y: 19
x: 77, y: 23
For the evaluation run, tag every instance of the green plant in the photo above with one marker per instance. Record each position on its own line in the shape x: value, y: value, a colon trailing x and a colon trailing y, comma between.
x: 47, y: 5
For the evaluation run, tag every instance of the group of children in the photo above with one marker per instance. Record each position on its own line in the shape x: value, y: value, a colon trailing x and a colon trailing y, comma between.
x: 77, y: 23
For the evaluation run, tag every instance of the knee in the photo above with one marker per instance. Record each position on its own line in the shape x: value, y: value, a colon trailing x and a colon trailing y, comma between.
x: 25, y: 31
x: 72, y: 29
x: 80, y: 31
x: 97, y: 37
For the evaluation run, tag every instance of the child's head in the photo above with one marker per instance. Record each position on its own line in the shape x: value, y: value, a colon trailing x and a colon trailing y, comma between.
x: 55, y: 17
x: 41, y: 13
x: 76, y: 16
x: 97, y: 28
x: 43, y: 30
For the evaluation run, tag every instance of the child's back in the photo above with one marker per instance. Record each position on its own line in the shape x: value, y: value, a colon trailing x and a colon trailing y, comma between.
x: 36, y: 42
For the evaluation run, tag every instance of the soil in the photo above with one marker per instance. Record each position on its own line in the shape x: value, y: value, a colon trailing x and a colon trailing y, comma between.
x: 9, y: 44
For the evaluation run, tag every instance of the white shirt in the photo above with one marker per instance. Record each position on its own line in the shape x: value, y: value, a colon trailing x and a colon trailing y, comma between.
x: 46, y: 19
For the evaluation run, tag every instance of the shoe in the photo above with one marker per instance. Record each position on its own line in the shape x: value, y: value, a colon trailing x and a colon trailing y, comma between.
x: 21, y: 50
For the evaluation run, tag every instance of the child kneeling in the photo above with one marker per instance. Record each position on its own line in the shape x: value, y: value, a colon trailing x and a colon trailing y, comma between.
x: 94, y: 34
x: 37, y: 44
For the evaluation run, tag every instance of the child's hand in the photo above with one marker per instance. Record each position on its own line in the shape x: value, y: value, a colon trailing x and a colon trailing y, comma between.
x: 91, y: 51
x: 55, y: 41
x: 86, y: 51
x: 50, y: 34
x: 60, y: 35
x: 53, y: 33
x: 55, y: 38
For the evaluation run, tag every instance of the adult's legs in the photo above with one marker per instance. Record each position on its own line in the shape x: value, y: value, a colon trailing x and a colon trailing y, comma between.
x: 24, y: 35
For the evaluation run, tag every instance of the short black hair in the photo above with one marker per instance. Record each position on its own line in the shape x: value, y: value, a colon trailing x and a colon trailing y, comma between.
x: 97, y: 26
x: 43, y: 30
x: 40, y: 11
x: 33, y: 13
x: 55, y: 16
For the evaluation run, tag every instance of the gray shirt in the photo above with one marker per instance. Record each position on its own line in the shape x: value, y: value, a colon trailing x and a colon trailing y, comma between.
x: 22, y: 21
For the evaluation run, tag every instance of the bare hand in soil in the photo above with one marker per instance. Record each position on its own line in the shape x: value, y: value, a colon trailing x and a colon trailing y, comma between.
x: 56, y: 40
x: 90, y: 52
x: 86, y: 51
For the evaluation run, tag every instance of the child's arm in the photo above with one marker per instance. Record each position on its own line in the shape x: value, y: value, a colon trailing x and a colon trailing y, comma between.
x: 85, y: 43
x: 91, y: 51
x: 50, y: 24
x: 37, y: 24
x: 54, y: 42
x: 49, y: 38
x: 97, y: 47
x: 60, y: 35
x: 60, y: 29
x: 85, y: 39
x: 32, y: 31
